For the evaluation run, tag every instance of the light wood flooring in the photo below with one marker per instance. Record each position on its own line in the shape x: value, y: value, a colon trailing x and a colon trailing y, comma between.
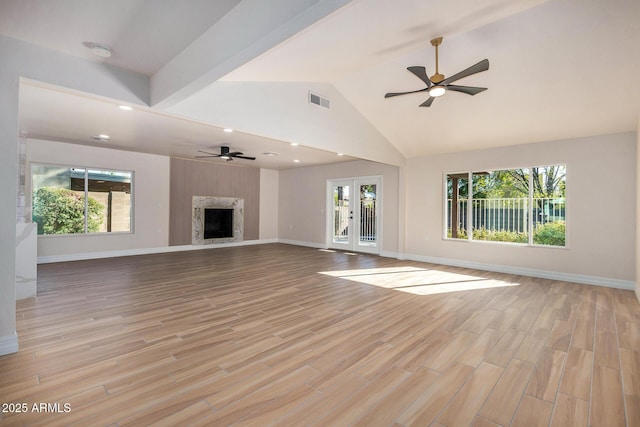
x: 290, y: 336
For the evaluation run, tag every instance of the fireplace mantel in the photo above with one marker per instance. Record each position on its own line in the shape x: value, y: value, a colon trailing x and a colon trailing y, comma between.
x: 200, y: 203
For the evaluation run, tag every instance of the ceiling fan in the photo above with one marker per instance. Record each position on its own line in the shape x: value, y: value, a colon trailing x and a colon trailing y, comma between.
x: 438, y: 85
x: 225, y: 154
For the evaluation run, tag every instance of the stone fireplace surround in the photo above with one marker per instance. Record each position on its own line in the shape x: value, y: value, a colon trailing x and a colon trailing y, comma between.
x: 200, y: 203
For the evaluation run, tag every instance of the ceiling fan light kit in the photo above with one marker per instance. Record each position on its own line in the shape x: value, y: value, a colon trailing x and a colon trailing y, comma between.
x: 438, y: 85
x: 437, y: 91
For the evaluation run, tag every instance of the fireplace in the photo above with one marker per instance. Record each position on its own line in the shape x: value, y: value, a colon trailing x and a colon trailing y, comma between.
x: 218, y: 223
x: 217, y: 220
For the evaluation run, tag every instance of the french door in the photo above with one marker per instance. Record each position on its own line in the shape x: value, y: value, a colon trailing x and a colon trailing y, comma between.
x: 353, y: 220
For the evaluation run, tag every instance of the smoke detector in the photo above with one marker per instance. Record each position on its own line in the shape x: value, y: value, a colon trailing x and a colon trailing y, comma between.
x: 101, y: 50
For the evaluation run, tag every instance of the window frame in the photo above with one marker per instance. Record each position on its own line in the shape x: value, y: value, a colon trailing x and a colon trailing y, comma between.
x: 85, y: 232
x: 530, y: 222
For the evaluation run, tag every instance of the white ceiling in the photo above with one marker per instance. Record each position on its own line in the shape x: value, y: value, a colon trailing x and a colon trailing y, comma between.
x: 51, y: 114
x: 143, y: 34
x: 559, y: 69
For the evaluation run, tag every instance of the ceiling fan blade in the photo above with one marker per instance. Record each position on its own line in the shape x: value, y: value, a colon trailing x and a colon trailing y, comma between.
x: 389, y: 95
x: 428, y: 102
x: 477, y: 68
x: 469, y: 90
x: 210, y: 154
x: 245, y: 157
x: 421, y: 73
x: 233, y: 154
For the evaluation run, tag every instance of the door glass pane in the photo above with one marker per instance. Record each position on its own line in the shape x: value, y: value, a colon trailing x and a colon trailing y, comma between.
x: 501, y: 206
x: 457, y: 196
x: 341, y: 214
x: 368, y: 236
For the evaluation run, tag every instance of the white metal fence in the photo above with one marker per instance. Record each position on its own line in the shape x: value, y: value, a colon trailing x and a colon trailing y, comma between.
x: 510, y: 214
x: 367, y: 220
x: 368, y: 232
x: 341, y: 224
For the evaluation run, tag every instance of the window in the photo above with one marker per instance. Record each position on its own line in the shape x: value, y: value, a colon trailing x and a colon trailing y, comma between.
x: 70, y: 200
x: 526, y: 206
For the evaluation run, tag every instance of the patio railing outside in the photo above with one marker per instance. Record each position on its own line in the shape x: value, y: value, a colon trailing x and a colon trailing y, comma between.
x: 508, y: 214
x: 367, y: 222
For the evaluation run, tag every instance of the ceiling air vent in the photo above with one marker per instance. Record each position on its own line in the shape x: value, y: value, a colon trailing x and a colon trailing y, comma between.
x: 318, y: 100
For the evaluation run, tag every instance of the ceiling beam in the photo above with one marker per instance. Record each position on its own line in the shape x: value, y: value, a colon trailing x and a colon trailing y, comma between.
x: 248, y: 30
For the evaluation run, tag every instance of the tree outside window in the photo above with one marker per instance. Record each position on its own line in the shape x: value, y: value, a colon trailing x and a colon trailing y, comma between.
x: 79, y: 200
x: 506, y: 204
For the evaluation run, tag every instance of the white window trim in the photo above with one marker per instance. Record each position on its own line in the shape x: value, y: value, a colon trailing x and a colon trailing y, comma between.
x: 530, y: 209
x: 29, y: 218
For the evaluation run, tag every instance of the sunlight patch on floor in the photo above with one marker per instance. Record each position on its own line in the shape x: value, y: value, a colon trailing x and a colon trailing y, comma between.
x: 418, y: 281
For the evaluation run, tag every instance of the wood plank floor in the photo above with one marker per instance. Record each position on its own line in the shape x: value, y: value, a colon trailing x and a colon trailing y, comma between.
x: 290, y: 336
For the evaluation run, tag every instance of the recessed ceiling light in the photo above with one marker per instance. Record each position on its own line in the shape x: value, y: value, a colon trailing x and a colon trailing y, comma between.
x: 101, y: 50
x: 294, y: 144
x: 101, y: 137
x: 125, y: 107
x: 296, y: 161
x: 228, y: 130
x: 270, y: 153
x: 340, y: 154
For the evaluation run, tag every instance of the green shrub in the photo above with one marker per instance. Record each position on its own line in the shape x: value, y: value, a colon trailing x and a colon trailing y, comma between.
x: 61, y: 211
x: 499, y: 235
x: 551, y: 233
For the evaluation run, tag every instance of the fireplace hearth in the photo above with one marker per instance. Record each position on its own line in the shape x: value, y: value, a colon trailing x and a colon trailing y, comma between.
x: 217, y: 220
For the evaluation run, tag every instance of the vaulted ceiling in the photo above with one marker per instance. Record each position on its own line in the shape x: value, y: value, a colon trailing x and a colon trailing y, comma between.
x: 558, y: 69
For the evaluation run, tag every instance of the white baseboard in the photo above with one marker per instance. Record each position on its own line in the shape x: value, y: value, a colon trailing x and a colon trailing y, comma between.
x: 530, y: 272
x: 389, y: 254
x: 9, y: 344
x: 145, y: 251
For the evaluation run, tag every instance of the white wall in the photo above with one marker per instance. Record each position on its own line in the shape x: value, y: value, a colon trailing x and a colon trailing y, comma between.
x: 268, y: 204
x: 302, y: 205
x: 283, y: 112
x: 600, y: 209
x: 150, y: 197
x: 637, y: 259
x: 9, y: 83
x: 21, y: 59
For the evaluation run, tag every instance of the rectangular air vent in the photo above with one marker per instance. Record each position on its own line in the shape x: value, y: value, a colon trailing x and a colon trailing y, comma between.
x: 318, y: 100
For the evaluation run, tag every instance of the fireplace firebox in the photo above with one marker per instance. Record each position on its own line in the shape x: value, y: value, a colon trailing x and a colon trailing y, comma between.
x: 218, y: 223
